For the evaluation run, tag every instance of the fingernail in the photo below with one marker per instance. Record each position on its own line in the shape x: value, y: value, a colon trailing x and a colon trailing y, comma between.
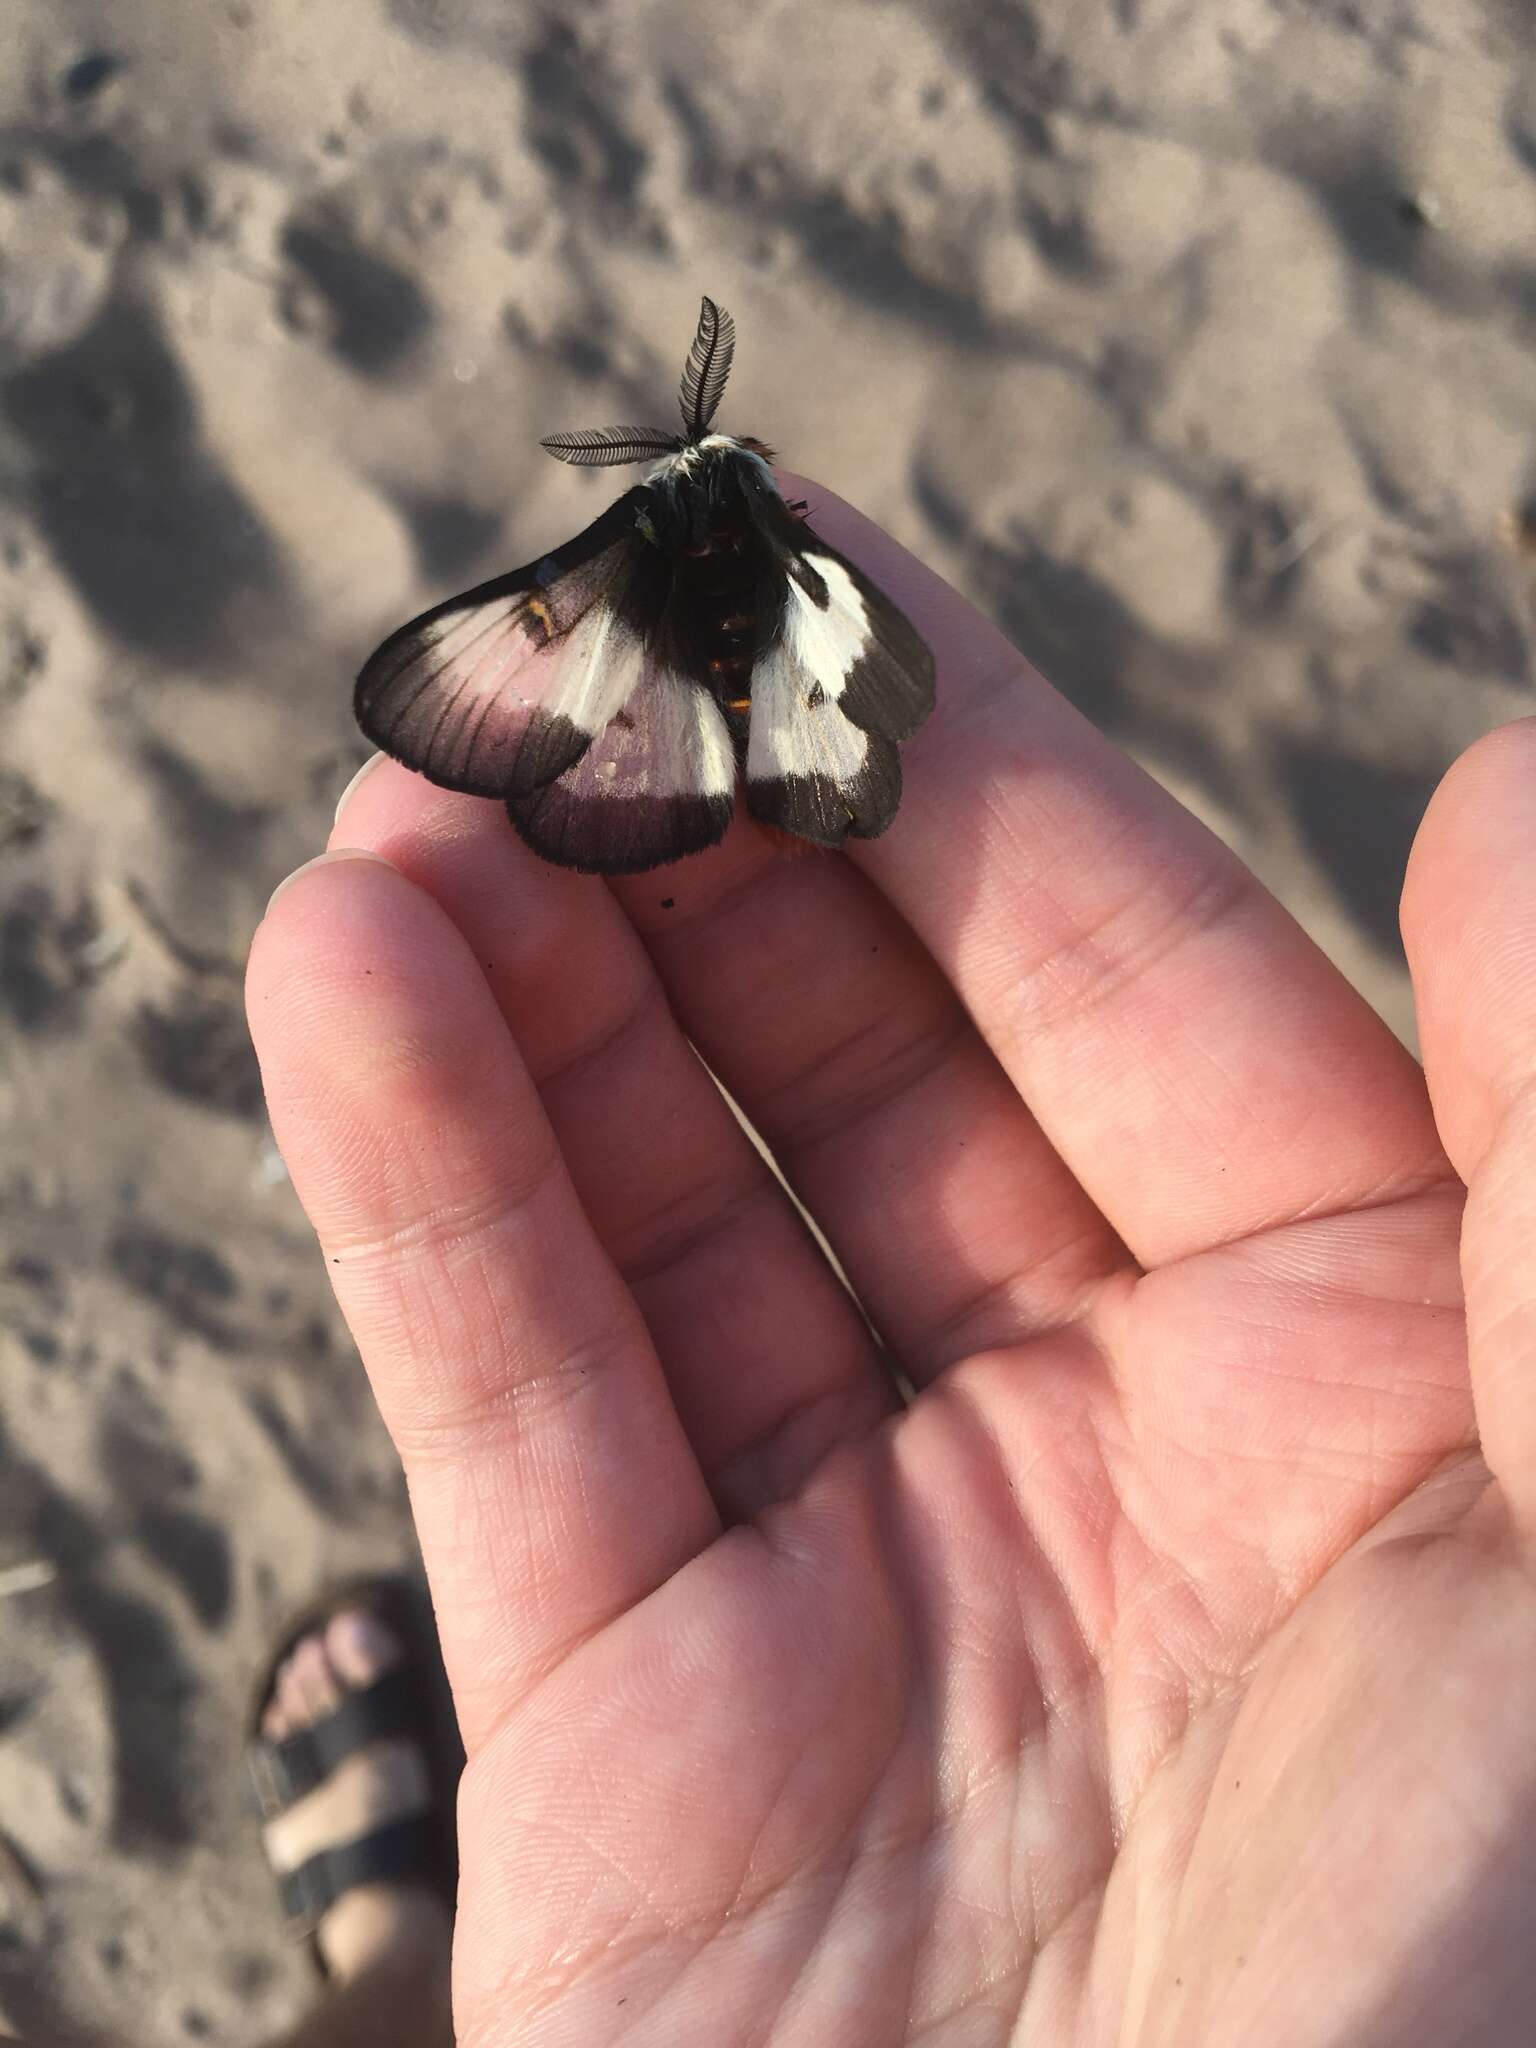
x: 367, y: 768
x: 320, y: 859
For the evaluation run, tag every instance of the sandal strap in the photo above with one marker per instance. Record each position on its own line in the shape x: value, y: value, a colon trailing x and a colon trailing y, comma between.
x: 403, y: 1850
x: 284, y: 1771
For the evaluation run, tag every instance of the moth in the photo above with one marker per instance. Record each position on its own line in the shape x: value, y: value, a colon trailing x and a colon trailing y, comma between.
x: 698, y: 635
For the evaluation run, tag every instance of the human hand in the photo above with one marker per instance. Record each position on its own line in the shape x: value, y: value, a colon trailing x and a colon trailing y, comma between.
x: 1166, y: 1672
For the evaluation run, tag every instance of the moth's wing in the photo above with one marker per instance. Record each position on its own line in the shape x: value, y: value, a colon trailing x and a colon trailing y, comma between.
x: 865, y: 652
x: 841, y: 626
x: 498, y: 691
x: 658, y: 782
x: 810, y: 770
x: 845, y: 678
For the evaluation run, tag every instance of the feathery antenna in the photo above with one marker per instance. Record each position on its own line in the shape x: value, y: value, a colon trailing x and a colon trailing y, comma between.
x: 707, y: 367
x: 604, y: 447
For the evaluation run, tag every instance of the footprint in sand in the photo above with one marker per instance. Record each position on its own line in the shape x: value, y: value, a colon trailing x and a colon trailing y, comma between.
x: 58, y: 250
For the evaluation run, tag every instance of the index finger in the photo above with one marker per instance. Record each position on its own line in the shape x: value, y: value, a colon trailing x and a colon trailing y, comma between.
x: 552, y: 1484
x: 1197, y: 1061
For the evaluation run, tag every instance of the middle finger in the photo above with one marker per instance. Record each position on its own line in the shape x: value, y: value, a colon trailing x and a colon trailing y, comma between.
x: 959, y: 1226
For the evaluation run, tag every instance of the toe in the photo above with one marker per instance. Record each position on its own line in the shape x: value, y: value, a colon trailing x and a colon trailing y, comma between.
x: 316, y: 1681
x: 274, y: 1718
x: 289, y: 1696
x: 360, y: 1647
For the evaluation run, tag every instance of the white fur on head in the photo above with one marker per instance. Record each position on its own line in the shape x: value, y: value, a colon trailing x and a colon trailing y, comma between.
x: 673, y: 468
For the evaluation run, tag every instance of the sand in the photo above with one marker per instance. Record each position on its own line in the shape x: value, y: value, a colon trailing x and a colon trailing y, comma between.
x: 1192, y: 338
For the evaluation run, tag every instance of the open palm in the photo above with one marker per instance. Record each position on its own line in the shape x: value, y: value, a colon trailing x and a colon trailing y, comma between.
x: 1165, y: 1671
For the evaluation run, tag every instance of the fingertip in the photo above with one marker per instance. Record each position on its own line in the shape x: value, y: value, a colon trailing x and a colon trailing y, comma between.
x: 1469, y: 930
x: 357, y: 971
x: 1497, y: 767
x: 386, y: 808
x: 356, y: 982
x: 281, y: 943
x: 1480, y: 821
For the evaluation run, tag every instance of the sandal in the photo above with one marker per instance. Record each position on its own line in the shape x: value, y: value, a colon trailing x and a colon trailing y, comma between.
x: 407, y: 1702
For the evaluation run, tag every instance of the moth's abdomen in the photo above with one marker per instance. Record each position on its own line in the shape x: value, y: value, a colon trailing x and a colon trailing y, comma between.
x: 730, y: 670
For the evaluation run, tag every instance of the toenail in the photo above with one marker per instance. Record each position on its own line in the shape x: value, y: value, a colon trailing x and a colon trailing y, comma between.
x: 361, y: 1638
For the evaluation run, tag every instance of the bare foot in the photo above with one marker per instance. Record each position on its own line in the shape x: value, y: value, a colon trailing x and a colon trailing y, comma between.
x: 402, y: 1922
